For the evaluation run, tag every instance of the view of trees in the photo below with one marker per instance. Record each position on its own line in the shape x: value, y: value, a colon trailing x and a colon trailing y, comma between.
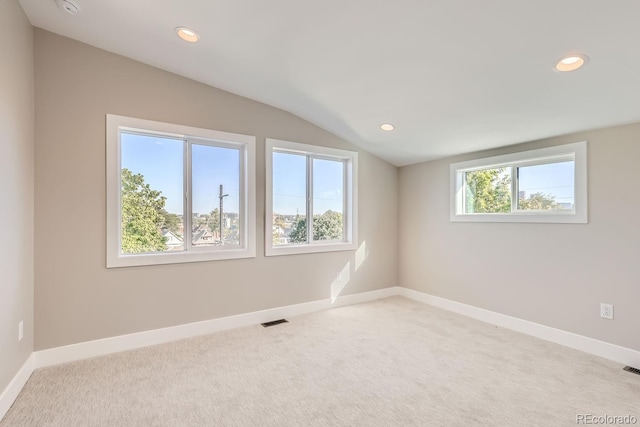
x: 489, y: 191
x: 143, y: 215
x: 327, y: 226
x: 537, y: 201
x: 144, y: 218
x: 172, y: 222
x: 211, y: 221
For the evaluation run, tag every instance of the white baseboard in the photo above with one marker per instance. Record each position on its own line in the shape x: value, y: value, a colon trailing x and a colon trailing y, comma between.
x: 116, y: 344
x: 84, y: 350
x: 12, y: 391
x: 603, y: 349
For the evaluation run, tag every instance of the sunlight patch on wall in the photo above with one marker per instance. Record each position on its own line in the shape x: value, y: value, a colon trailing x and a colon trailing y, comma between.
x: 361, y: 254
x: 341, y: 281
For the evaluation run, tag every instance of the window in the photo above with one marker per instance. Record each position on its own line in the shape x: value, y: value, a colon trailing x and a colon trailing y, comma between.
x: 545, y: 185
x: 311, y: 202
x: 177, y: 194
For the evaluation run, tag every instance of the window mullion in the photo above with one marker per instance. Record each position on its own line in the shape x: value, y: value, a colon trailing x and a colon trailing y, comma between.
x: 186, y: 179
x: 514, y: 188
x: 309, y: 199
x: 346, y: 212
x: 242, y: 215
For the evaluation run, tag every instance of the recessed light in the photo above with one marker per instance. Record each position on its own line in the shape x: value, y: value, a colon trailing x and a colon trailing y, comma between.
x: 387, y: 126
x: 571, y: 62
x: 187, y: 34
x: 69, y: 6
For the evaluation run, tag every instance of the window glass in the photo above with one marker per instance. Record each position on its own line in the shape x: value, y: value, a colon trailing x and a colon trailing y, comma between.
x: 177, y: 193
x: 546, y: 187
x: 215, y: 188
x: 311, y: 203
x: 151, y: 196
x: 328, y: 199
x: 543, y: 185
x: 488, y: 191
x: 289, y: 199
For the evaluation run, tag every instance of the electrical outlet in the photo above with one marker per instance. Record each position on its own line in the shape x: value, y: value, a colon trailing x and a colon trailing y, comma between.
x: 20, y: 330
x: 606, y: 311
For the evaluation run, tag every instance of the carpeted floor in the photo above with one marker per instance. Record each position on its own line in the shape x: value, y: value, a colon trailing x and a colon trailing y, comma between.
x: 392, y: 362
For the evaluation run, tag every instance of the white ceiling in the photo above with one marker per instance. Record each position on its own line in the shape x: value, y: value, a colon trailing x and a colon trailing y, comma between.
x: 453, y: 76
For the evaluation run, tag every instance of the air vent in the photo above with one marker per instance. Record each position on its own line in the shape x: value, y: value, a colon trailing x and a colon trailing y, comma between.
x: 274, y: 322
x: 632, y: 370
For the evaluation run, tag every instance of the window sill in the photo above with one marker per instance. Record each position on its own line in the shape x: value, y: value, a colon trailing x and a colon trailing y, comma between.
x: 532, y: 217
x: 135, y: 260
x: 309, y: 248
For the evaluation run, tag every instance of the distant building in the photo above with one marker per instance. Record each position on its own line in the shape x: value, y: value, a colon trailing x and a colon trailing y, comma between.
x: 174, y: 242
x: 565, y: 205
x: 202, y: 236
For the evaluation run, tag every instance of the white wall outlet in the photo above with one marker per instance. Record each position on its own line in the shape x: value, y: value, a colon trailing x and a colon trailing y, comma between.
x: 606, y: 311
x: 20, y: 330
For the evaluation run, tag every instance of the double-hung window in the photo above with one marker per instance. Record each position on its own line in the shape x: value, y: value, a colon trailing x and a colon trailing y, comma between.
x: 311, y: 198
x: 177, y: 193
x: 544, y: 185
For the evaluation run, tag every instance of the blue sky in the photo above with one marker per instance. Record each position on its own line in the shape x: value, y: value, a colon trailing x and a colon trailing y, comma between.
x: 289, y: 185
x: 160, y: 161
x: 555, y: 179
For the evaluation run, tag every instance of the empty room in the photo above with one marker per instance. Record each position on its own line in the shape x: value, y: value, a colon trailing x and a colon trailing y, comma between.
x: 290, y: 213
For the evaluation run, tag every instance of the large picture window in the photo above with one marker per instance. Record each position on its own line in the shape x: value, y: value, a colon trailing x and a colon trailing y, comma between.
x: 177, y: 193
x: 545, y: 185
x: 311, y: 198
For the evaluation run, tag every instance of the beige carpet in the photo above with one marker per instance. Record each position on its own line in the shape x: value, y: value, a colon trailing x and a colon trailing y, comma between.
x: 392, y: 362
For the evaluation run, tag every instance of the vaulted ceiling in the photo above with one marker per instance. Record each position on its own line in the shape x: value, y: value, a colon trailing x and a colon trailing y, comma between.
x: 452, y: 76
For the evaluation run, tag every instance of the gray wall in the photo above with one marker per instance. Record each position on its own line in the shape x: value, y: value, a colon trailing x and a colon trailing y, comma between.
x: 16, y: 189
x: 77, y: 299
x: 553, y: 274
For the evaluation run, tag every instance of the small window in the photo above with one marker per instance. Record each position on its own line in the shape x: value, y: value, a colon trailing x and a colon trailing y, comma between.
x: 177, y: 194
x: 311, y: 198
x: 545, y: 185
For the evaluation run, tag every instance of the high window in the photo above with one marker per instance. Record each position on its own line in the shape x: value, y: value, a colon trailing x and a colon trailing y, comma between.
x: 177, y: 193
x: 545, y: 185
x: 311, y: 198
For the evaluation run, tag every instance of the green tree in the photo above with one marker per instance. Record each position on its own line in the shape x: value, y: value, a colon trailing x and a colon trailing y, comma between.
x: 171, y: 221
x: 327, y: 226
x: 488, y: 191
x: 538, y: 201
x: 214, y: 223
x: 298, y: 232
x: 142, y: 215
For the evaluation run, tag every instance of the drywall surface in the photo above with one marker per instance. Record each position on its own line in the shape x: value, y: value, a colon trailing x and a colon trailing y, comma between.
x: 553, y: 274
x: 16, y: 188
x: 77, y: 297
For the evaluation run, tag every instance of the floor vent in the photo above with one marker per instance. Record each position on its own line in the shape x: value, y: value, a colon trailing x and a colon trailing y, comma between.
x: 632, y: 370
x: 274, y: 322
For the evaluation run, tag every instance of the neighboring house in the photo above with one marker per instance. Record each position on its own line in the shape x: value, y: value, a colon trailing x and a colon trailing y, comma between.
x: 279, y: 235
x: 174, y: 242
x: 202, y: 236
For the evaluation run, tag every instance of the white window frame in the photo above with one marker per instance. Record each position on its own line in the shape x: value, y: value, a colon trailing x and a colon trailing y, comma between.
x: 245, y: 143
x: 576, y: 151
x: 350, y: 159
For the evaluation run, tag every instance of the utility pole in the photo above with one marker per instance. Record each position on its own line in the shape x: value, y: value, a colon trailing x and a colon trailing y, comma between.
x: 221, y: 197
